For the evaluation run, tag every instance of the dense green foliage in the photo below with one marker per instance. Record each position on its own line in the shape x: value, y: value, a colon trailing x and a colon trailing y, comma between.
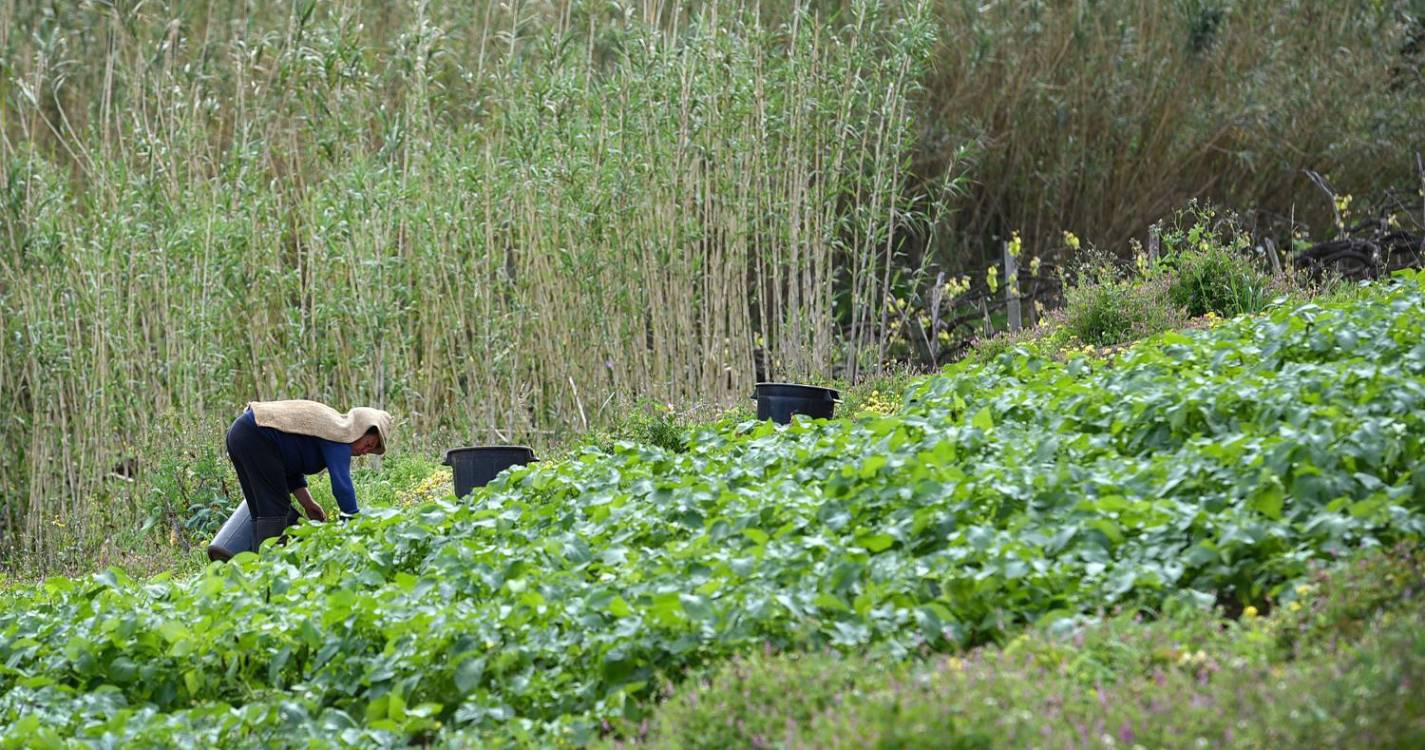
x: 1208, y: 268
x: 1336, y: 666
x: 1201, y: 467
x: 1103, y: 309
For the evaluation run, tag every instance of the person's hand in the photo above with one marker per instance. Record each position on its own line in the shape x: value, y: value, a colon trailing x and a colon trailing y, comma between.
x: 313, y: 509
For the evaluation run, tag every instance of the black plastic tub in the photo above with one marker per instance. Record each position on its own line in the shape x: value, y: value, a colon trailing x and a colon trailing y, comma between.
x: 476, y: 467
x: 779, y: 401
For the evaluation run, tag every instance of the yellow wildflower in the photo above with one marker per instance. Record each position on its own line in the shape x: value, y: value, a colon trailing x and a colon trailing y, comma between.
x: 957, y: 287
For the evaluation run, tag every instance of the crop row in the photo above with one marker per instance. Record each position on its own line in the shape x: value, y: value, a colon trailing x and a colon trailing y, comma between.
x: 1204, y: 467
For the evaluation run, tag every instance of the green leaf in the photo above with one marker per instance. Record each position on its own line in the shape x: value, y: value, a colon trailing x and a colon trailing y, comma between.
x: 1107, y: 528
x: 983, y: 420
x: 619, y: 608
x: 666, y: 609
x: 173, y: 631
x: 825, y: 600
x: 396, y: 708
x: 1270, y: 499
x: 468, y: 674
x: 376, y: 710
x: 875, y: 542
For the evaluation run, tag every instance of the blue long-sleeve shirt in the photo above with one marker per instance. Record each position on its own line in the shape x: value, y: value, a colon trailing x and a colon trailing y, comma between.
x: 303, y: 455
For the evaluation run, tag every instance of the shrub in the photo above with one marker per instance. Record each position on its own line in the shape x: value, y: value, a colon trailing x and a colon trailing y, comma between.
x: 882, y: 394
x: 1047, y: 338
x: 401, y: 476
x: 1105, y: 310
x: 1205, y: 258
x: 1219, y: 281
x: 191, y: 494
x: 748, y: 702
x: 1187, y: 680
x: 646, y: 423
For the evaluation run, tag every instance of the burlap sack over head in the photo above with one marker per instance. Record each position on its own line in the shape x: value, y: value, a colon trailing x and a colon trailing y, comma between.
x: 301, y: 417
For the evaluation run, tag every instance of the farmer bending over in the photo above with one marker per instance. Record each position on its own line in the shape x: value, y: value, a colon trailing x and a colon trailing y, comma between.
x: 274, y: 445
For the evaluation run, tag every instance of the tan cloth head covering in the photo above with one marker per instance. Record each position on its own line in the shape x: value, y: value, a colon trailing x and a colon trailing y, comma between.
x: 319, y: 420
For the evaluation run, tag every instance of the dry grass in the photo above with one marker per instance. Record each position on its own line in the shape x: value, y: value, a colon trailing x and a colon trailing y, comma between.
x: 1102, y: 116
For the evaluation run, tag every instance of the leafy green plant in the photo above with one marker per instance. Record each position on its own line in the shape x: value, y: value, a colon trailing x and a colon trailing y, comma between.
x: 399, y: 475
x: 1185, y: 471
x: 1205, y: 258
x: 648, y: 423
x: 191, y: 494
x: 1104, y: 310
x: 1217, y: 280
x: 1048, y: 338
x: 1171, y: 683
x: 875, y: 395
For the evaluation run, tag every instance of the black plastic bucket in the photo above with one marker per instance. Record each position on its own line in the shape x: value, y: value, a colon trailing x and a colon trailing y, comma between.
x: 779, y: 401
x: 476, y: 467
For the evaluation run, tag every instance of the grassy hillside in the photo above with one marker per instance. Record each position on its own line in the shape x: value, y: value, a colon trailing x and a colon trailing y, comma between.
x: 1210, y: 468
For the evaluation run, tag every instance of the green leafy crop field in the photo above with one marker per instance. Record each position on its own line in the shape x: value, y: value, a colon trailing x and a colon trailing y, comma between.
x: 1209, y: 467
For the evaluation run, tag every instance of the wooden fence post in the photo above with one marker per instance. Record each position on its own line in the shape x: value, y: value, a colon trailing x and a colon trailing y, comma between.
x: 1011, y: 289
x: 1271, y: 248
